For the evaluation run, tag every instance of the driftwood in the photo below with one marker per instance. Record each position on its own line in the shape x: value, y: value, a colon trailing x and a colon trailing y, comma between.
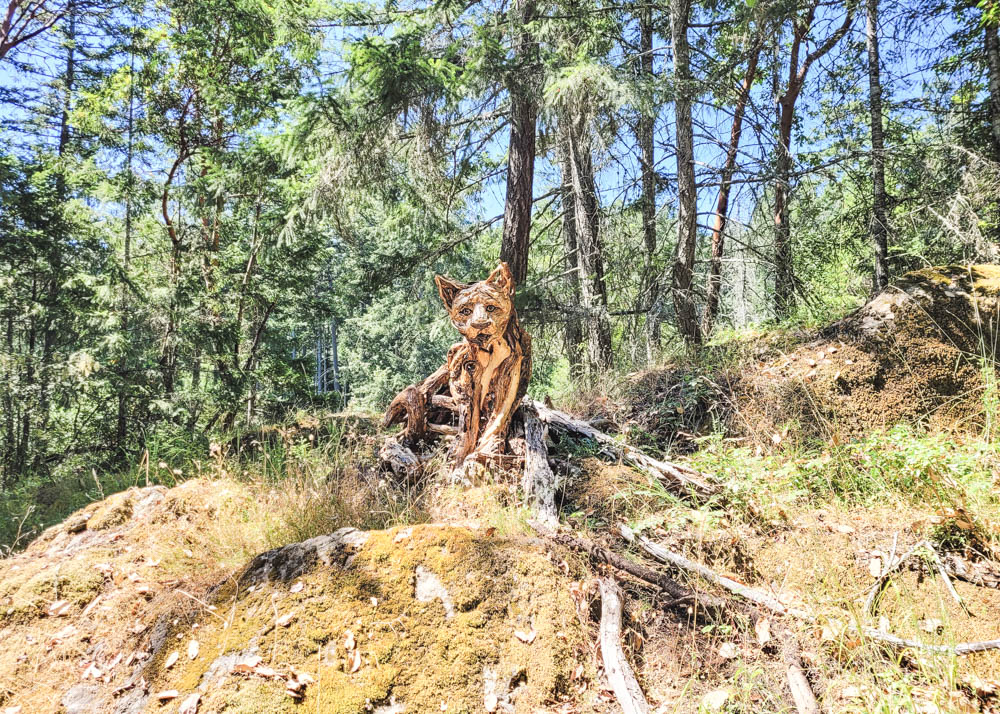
x: 616, y: 667
x: 473, y: 396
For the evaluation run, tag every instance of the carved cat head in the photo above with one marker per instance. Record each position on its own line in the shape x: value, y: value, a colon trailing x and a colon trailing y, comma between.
x: 479, y: 311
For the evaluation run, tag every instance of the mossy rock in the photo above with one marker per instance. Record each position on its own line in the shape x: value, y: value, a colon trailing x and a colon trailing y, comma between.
x: 26, y: 597
x: 113, y: 512
x: 432, y: 613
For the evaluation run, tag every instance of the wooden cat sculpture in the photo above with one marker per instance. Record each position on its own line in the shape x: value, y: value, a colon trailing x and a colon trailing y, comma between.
x: 474, y: 395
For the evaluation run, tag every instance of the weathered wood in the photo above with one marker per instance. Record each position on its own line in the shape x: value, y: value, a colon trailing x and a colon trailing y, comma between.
x: 768, y: 602
x: 753, y: 595
x: 538, y: 482
x: 400, y: 460
x: 675, y: 477
x: 599, y: 554
x: 473, y: 396
x: 798, y: 683
x: 981, y: 573
x: 616, y: 667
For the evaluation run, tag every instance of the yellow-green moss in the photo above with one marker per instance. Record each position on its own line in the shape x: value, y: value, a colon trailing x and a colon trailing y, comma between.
x: 115, y: 511
x: 411, y: 650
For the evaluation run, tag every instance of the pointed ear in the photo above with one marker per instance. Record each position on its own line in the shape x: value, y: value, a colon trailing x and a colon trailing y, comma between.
x: 502, y: 279
x: 448, y: 289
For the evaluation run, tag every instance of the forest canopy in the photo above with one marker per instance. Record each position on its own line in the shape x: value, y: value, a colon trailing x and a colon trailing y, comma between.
x: 214, y: 213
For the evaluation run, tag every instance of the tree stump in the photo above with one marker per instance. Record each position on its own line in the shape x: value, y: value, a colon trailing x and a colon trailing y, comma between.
x: 473, y: 396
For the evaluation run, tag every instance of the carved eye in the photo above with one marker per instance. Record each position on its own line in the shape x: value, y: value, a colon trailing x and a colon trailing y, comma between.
x: 470, y: 366
x: 491, y: 308
x: 465, y: 311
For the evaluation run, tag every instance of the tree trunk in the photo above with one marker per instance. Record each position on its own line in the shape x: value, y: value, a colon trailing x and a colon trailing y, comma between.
x: 521, y: 151
x: 713, y: 288
x: 644, y: 134
x: 574, y: 329
x: 880, y: 220
x: 784, y: 282
x: 992, y: 46
x: 687, y: 197
x: 594, y: 296
x: 784, y: 276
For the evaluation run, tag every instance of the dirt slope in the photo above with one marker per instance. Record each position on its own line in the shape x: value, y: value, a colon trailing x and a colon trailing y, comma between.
x: 922, y: 351
x: 100, y: 615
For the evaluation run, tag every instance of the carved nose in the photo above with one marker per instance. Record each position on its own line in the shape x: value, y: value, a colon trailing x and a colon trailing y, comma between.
x: 480, y: 324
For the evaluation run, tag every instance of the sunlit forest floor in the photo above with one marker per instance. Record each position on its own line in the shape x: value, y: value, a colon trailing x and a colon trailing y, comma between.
x: 811, y: 511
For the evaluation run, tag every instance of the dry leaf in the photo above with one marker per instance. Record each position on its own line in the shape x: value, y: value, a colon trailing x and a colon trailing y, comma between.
x: 142, y: 589
x: 167, y: 695
x: 932, y: 625
x: 727, y: 650
x: 851, y: 693
x: 525, y: 637
x: 305, y: 678
x: 715, y: 700
x: 875, y: 566
x: 763, y: 629
x: 60, y: 608
x: 349, y: 640
x: 356, y: 663
x: 490, y: 703
x: 285, y: 620
x: 192, y: 649
x: 190, y: 704
x: 171, y: 659
x: 12, y: 710
x: 297, y: 588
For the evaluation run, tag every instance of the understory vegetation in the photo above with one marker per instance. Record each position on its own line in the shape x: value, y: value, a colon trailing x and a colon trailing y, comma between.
x: 756, y: 238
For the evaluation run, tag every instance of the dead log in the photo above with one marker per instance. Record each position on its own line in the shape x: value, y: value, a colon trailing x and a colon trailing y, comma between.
x: 400, y: 460
x: 753, y: 595
x: 798, y: 683
x: 675, y: 477
x: 599, y: 554
x: 616, y: 667
x: 982, y: 573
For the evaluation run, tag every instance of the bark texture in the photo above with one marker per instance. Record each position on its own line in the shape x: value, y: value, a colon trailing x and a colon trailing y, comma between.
x: 521, y: 152
x: 880, y: 219
x: 687, y: 196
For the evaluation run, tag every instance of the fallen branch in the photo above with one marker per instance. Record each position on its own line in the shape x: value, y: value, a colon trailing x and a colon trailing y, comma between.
x: 982, y: 573
x: 963, y: 648
x: 616, y: 667
x: 798, y: 684
x: 755, y: 596
x: 675, y: 477
x: 895, y: 565
x: 891, y: 567
x: 599, y: 554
